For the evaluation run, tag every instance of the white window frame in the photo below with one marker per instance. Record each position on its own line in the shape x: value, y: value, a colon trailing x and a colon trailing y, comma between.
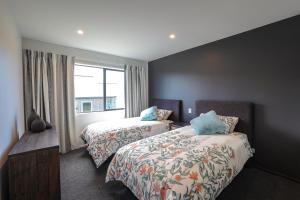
x: 102, y: 66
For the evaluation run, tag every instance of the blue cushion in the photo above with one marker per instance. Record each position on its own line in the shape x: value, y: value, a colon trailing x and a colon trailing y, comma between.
x: 208, y: 123
x: 149, y: 114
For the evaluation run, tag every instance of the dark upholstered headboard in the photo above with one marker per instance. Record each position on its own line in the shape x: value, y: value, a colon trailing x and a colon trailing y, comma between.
x: 169, y: 104
x: 242, y: 110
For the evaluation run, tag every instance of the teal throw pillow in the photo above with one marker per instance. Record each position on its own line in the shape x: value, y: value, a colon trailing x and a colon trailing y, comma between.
x: 209, y: 123
x: 150, y: 114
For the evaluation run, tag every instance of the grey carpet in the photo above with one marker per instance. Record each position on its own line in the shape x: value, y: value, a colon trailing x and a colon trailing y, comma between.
x: 80, y: 180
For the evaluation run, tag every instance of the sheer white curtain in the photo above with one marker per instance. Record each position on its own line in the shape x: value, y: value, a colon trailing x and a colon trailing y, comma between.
x: 136, y: 90
x: 49, y: 89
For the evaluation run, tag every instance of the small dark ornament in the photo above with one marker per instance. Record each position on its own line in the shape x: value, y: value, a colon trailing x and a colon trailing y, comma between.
x: 33, y: 115
x: 38, y: 125
x: 48, y: 125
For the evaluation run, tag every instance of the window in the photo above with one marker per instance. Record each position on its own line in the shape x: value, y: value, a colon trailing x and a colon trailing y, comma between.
x: 114, y: 89
x: 98, y: 89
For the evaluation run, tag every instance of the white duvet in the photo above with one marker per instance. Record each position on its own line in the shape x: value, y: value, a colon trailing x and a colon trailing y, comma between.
x: 180, y: 164
x: 105, y: 138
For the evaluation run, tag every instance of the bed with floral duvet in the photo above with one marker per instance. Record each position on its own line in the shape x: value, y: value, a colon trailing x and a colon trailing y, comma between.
x: 180, y: 164
x: 105, y: 138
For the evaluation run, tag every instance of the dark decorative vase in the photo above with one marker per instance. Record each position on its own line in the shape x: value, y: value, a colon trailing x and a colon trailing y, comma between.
x: 33, y: 115
x: 38, y: 125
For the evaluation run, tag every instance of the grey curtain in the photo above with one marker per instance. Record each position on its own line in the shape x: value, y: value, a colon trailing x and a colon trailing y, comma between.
x: 49, y: 89
x: 136, y: 90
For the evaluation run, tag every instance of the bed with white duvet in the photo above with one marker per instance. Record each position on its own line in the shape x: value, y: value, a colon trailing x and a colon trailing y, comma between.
x: 105, y: 138
x: 180, y: 164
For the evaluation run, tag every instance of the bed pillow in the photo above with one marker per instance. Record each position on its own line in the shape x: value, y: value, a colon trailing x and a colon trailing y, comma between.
x: 163, y: 114
x: 209, y: 123
x: 231, y: 121
x: 150, y: 114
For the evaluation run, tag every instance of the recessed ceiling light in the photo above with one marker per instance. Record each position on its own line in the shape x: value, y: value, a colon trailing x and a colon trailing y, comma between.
x: 172, y: 36
x: 80, y: 32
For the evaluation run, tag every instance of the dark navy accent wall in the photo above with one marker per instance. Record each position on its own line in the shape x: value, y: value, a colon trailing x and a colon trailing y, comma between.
x: 261, y: 66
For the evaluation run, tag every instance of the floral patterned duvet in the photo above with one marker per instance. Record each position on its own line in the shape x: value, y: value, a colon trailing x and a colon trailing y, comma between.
x: 180, y: 164
x: 105, y: 138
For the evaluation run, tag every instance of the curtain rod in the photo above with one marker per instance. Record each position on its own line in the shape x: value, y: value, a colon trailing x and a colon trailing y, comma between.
x: 103, y: 64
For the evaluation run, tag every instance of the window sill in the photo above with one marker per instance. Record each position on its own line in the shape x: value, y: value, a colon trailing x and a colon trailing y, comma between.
x: 86, y: 113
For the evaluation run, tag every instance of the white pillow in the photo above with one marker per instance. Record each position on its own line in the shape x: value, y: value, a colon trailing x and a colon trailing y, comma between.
x: 163, y: 114
x: 231, y: 121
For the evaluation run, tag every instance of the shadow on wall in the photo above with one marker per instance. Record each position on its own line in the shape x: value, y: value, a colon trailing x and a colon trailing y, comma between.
x: 4, y: 164
x: 283, y: 142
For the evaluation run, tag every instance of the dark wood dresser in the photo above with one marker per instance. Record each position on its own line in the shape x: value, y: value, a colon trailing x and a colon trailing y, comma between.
x: 34, y: 167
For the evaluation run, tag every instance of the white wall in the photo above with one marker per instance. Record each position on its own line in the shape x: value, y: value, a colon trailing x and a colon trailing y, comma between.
x: 80, y: 54
x: 82, y: 120
x: 11, y: 87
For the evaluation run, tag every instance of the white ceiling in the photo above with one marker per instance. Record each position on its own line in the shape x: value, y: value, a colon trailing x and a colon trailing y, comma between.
x: 140, y: 28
